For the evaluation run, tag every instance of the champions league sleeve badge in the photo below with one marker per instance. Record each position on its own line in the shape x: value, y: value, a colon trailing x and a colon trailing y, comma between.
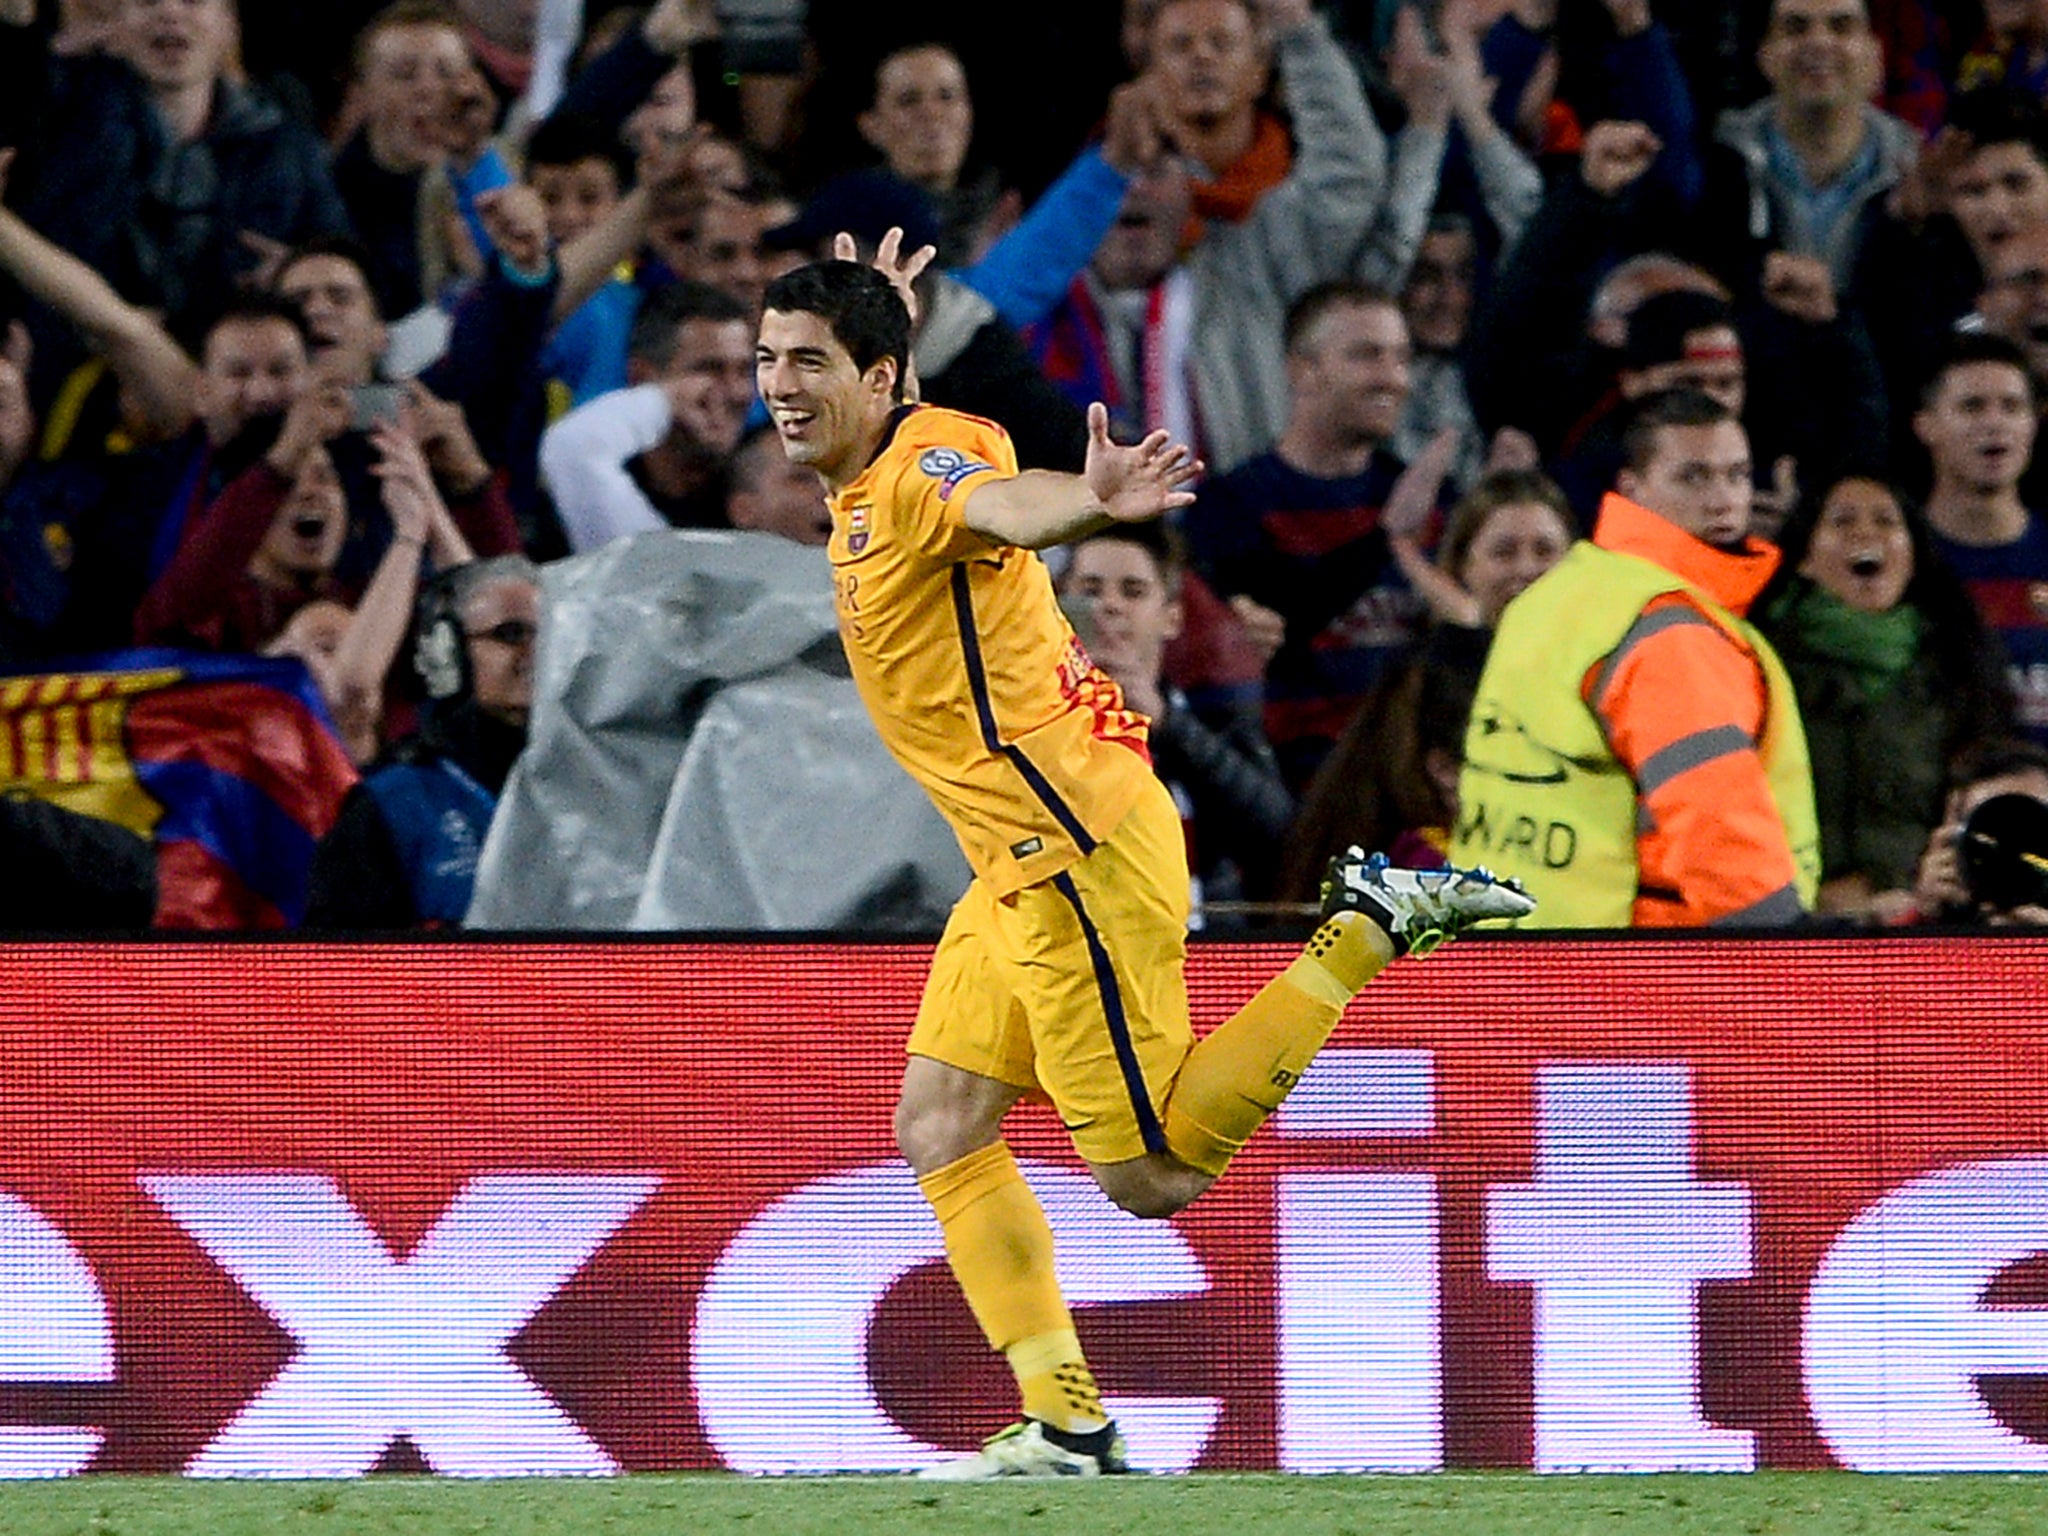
x: 949, y: 466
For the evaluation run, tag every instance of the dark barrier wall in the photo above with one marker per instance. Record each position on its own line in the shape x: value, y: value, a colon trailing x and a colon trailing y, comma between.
x: 514, y: 1208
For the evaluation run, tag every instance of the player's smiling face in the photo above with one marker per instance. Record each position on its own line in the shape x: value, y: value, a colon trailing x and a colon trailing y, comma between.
x: 828, y: 413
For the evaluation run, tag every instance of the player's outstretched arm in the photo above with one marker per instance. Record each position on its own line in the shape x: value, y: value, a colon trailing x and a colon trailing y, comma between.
x: 1118, y: 484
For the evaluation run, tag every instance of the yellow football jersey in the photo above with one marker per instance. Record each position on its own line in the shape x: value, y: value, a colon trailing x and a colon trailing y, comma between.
x: 974, y: 678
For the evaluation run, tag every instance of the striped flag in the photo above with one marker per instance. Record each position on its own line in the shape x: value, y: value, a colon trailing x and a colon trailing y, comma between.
x: 229, y: 763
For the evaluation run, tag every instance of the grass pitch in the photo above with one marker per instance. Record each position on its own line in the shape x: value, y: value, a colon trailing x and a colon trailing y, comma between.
x: 1484, y: 1504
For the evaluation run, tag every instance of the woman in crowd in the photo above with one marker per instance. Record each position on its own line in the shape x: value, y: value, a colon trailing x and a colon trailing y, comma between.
x: 1391, y: 781
x: 1895, y: 675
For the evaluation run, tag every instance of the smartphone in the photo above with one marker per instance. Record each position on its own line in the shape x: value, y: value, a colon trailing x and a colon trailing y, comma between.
x: 370, y: 404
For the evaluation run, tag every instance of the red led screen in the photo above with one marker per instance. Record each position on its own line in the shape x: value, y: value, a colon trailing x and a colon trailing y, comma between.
x: 273, y: 1209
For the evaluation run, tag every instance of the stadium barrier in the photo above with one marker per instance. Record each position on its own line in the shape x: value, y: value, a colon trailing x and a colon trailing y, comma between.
x: 271, y: 1209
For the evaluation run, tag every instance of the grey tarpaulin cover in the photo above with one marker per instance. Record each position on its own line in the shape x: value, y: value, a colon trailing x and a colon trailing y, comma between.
x: 698, y: 758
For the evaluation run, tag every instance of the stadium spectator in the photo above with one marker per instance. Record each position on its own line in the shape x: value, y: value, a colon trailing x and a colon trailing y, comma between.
x: 1192, y: 344
x: 1558, y: 307
x: 1436, y: 302
x: 329, y: 281
x: 1391, y: 779
x: 921, y: 122
x: 153, y: 160
x: 414, y: 162
x: 771, y: 494
x: 1795, y: 182
x: 258, y: 571
x: 1296, y: 536
x: 1941, y: 887
x: 2012, y: 50
x: 1207, y: 65
x: 1894, y: 675
x: 1635, y: 745
x: 1121, y: 589
x: 273, y: 540
x: 1979, y: 422
x: 1025, y: 271
x: 1510, y: 528
x: 1980, y: 185
x: 98, y: 514
x: 2014, y: 301
x: 654, y: 455
x: 403, y: 852
x: 1451, y: 157
x: 579, y: 170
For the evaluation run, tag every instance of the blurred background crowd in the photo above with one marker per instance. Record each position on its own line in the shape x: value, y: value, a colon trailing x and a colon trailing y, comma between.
x: 330, y: 331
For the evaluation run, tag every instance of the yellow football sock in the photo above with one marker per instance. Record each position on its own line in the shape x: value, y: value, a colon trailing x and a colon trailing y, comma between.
x: 1238, y: 1074
x: 1000, y: 1247
x: 1058, y: 1387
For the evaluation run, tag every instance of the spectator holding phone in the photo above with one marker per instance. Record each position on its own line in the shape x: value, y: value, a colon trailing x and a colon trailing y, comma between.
x: 272, y: 541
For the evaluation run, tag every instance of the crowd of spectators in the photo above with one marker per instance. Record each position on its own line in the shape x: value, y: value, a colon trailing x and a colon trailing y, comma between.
x: 323, y: 328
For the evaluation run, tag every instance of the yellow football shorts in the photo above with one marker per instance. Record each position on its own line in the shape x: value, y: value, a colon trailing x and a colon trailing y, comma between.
x: 1074, y: 989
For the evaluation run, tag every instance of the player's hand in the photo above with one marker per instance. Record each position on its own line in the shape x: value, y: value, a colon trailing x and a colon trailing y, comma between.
x: 1139, y: 483
x: 902, y: 271
x: 1616, y: 156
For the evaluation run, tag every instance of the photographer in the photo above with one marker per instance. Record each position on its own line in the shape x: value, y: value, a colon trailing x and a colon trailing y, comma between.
x: 1983, y: 864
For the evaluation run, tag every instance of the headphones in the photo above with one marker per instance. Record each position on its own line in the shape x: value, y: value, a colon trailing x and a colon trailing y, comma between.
x: 440, y: 651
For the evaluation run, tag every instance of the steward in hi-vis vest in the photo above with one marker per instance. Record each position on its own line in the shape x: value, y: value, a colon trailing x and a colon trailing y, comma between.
x: 1635, y: 754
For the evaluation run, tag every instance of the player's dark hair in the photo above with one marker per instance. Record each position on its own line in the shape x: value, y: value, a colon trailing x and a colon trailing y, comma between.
x: 653, y: 337
x: 1970, y: 347
x: 1308, y: 310
x: 862, y: 308
x: 1667, y: 408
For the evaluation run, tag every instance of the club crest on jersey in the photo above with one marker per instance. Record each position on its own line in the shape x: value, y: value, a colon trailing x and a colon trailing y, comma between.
x: 857, y: 529
x: 949, y: 466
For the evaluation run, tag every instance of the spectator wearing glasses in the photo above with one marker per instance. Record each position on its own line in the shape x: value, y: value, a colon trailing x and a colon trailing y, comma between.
x: 403, y: 852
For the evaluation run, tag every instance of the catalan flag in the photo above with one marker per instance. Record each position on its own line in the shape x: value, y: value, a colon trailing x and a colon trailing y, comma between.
x: 229, y: 763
